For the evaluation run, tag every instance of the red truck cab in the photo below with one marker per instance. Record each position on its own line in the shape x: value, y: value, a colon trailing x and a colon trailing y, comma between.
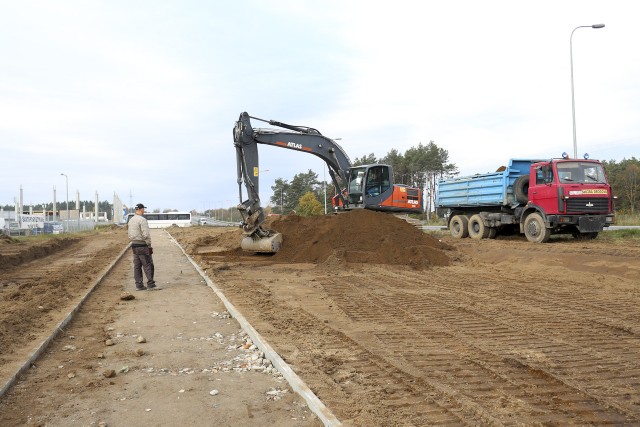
x: 571, y: 196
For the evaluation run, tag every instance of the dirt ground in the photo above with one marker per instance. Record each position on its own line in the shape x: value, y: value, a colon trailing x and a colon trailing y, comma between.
x: 393, y: 327
x: 163, y: 358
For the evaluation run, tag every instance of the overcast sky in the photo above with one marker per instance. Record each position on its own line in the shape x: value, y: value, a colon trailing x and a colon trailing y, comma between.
x: 139, y: 98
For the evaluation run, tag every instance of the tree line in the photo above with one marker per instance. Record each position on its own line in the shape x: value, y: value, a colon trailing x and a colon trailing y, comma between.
x: 624, y: 177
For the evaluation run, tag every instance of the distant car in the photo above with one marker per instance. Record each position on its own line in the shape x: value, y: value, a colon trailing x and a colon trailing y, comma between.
x: 203, y: 221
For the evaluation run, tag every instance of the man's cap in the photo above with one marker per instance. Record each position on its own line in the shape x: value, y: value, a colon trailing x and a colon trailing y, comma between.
x: 140, y: 206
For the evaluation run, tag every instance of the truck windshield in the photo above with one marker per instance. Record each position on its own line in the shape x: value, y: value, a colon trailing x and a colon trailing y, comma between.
x: 581, y: 172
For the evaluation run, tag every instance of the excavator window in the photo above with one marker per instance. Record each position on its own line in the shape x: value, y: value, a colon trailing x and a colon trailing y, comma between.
x: 377, y: 180
x: 356, y: 181
x: 356, y: 178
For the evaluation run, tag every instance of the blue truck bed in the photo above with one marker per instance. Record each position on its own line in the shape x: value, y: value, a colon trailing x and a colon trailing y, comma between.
x: 490, y: 189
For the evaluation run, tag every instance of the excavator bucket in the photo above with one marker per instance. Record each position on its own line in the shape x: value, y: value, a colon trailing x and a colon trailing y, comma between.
x: 270, y: 244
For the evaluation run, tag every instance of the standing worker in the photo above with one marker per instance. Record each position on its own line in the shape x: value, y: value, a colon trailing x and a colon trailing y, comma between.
x: 140, y: 237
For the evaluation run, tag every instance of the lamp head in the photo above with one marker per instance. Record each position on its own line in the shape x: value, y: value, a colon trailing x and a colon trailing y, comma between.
x: 597, y: 26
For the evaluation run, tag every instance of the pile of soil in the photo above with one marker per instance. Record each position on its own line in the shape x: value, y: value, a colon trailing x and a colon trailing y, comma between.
x: 358, y: 236
x: 4, y: 239
x: 14, y: 252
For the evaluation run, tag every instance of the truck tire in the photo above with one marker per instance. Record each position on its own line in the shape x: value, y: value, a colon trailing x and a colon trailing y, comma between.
x: 459, y: 227
x: 535, y: 229
x: 477, y: 229
x: 521, y: 189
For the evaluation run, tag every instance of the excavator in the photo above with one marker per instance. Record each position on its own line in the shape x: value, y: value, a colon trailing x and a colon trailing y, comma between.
x: 366, y: 186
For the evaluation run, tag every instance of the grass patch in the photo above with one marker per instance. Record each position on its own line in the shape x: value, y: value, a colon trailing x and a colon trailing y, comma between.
x: 620, y: 234
x: 627, y: 219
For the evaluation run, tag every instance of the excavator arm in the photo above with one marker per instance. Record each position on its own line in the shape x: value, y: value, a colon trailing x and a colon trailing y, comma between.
x: 299, y: 138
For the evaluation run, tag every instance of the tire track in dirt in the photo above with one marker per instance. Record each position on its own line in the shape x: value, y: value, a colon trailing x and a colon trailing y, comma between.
x: 580, y: 307
x: 437, y: 354
x: 469, y: 332
x: 343, y: 386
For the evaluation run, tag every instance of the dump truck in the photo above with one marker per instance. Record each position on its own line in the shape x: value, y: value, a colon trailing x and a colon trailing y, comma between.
x: 534, y: 197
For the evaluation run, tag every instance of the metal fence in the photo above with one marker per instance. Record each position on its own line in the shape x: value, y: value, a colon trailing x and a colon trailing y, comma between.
x: 71, y: 226
x: 75, y: 226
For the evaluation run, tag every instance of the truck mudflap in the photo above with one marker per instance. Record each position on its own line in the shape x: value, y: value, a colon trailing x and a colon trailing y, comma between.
x: 591, y: 224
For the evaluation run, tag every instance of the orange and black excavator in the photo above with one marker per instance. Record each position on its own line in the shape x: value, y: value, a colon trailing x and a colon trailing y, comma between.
x: 367, y: 186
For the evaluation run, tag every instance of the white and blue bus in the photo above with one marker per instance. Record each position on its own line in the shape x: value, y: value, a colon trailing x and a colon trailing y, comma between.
x: 168, y: 219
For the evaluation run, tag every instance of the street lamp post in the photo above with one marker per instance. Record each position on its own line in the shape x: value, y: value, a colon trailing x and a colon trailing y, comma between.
x: 573, y: 102
x: 67, y: 180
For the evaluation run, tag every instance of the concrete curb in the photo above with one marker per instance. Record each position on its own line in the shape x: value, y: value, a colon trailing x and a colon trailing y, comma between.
x: 43, y: 346
x: 314, y: 403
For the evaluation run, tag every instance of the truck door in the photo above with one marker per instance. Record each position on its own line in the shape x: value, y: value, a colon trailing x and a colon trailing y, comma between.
x: 542, y: 188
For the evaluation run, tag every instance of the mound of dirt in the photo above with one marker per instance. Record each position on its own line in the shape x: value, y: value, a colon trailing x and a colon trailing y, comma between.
x: 4, y: 239
x: 359, y: 236
x: 17, y: 252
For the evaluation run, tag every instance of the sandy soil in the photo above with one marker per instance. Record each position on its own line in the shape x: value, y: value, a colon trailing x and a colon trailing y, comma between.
x: 391, y: 327
x: 194, y: 367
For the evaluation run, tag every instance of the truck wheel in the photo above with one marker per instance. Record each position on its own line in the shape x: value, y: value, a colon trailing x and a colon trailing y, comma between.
x: 493, y: 232
x: 477, y: 229
x: 535, y: 229
x: 459, y: 227
x: 521, y: 189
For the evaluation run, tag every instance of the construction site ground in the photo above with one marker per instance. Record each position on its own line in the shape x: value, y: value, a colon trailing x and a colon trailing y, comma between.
x: 387, y: 325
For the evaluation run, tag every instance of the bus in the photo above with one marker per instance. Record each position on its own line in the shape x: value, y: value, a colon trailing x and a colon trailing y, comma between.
x: 168, y: 219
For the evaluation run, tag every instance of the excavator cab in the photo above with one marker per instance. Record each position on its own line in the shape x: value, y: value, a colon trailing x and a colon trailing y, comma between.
x: 372, y: 187
x: 369, y: 184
